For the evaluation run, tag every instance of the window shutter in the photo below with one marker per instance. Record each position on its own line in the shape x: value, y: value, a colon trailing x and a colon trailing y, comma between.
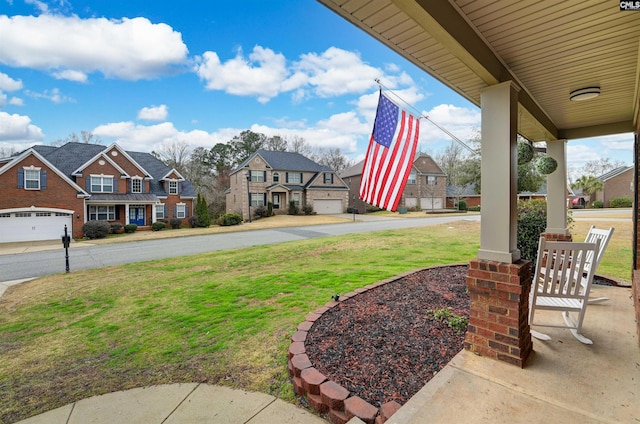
x: 43, y: 179
x: 286, y: 179
x: 166, y: 211
x: 179, y: 188
x: 186, y: 210
x: 115, y: 185
x: 264, y: 199
x: 20, y: 178
x: 175, y: 210
x: 301, y: 181
x: 88, y: 184
x: 131, y: 185
x: 264, y: 176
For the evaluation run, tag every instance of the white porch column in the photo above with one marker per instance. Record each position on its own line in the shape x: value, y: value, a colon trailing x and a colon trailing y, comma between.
x: 154, y: 218
x: 557, y: 190
x: 126, y: 214
x: 498, y: 230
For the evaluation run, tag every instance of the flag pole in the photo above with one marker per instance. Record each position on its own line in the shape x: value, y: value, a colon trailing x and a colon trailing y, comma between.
x: 422, y: 115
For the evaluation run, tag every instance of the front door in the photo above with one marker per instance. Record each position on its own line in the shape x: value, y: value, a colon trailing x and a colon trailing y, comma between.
x: 276, y: 201
x: 136, y: 215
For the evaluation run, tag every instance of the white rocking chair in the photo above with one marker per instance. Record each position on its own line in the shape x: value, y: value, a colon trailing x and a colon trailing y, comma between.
x: 562, y: 284
x: 594, y: 260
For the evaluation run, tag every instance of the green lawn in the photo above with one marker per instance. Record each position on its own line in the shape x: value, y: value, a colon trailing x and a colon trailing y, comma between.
x: 222, y: 318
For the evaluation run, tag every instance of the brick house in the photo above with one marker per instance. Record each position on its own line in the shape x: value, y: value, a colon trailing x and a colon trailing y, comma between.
x: 616, y: 183
x: 46, y: 188
x: 280, y: 177
x: 426, y: 186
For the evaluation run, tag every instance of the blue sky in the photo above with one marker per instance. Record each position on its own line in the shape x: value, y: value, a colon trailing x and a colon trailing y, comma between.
x: 152, y: 73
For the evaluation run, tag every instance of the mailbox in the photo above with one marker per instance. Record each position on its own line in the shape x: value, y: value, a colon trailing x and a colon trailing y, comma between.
x: 66, y: 240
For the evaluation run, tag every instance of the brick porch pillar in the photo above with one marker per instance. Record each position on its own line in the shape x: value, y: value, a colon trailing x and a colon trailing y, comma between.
x: 557, y: 237
x: 499, y: 314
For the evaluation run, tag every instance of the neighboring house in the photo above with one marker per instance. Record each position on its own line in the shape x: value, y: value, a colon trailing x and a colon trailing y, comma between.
x: 466, y: 193
x: 616, y: 183
x: 425, y: 189
x: 282, y: 177
x: 46, y: 188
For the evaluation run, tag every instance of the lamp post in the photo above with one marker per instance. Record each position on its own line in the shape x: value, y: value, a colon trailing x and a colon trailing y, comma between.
x: 249, y: 193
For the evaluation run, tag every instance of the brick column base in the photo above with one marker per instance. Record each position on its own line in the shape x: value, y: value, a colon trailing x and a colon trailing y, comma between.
x: 557, y: 237
x: 499, y: 313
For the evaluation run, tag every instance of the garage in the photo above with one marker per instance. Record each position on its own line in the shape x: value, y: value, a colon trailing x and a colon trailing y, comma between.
x: 33, y: 224
x: 328, y: 206
x: 431, y: 203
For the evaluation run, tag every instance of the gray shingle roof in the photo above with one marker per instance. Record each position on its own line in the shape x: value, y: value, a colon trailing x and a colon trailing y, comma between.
x: 71, y: 156
x: 285, y: 161
x: 614, y: 173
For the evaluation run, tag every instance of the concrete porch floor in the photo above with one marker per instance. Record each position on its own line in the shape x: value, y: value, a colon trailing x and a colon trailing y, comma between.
x: 563, y: 381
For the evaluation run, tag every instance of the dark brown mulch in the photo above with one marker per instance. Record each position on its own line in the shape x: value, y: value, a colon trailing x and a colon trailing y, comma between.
x: 384, y: 344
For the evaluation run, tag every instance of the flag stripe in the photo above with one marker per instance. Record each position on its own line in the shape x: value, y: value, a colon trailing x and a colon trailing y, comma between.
x: 388, y: 160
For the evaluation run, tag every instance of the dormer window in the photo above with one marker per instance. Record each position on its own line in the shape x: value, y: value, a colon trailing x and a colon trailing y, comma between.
x: 136, y: 185
x: 328, y: 178
x: 173, y: 187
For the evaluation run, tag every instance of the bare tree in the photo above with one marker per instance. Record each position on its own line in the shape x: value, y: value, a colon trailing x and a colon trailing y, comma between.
x: 333, y: 158
x: 299, y: 145
x: 601, y: 166
x: 175, y: 155
x: 6, y: 152
x: 276, y: 144
x: 86, y: 137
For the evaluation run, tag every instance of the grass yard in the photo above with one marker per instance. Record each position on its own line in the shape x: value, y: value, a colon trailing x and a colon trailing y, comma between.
x: 222, y: 318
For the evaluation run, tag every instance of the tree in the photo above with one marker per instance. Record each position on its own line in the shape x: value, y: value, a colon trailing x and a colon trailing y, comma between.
x: 276, y: 144
x: 202, y: 212
x: 333, y: 158
x: 589, y: 185
x: 299, y: 145
x: 86, y: 137
x: 175, y: 155
x: 600, y: 166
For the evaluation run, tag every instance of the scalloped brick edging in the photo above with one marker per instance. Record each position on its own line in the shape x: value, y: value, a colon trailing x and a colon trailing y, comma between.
x: 323, y: 395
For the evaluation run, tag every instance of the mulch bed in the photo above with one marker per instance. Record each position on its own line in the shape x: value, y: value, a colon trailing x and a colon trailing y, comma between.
x: 385, y: 344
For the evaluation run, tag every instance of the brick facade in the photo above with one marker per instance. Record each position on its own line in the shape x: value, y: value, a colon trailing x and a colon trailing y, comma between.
x: 499, y: 312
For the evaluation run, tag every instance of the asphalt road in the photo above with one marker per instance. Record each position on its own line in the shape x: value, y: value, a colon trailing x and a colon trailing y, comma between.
x: 37, y: 264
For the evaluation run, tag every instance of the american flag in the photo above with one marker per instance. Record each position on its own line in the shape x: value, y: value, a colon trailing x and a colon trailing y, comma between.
x: 389, y: 157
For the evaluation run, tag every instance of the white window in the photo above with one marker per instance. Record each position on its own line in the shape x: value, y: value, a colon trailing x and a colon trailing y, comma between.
x: 432, y: 180
x: 412, y: 178
x: 276, y: 177
x: 257, y: 176
x: 32, y: 179
x: 102, y: 213
x: 160, y: 211
x: 173, y: 187
x: 296, y: 199
x: 136, y: 185
x: 328, y: 178
x: 257, y: 199
x: 294, y: 177
x: 102, y: 184
x: 181, y: 210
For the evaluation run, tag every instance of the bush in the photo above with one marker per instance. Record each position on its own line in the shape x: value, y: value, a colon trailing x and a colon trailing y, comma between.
x: 193, y: 221
x: 202, y: 213
x: 230, y: 219
x: 117, y: 228
x: 175, y: 223
x: 462, y: 205
x: 293, y: 209
x: 532, y: 221
x: 130, y: 228
x: 598, y: 204
x: 269, y: 209
x: 473, y: 208
x: 96, y: 229
x: 261, y: 212
x: 158, y: 225
x: 308, y: 210
x: 621, y: 202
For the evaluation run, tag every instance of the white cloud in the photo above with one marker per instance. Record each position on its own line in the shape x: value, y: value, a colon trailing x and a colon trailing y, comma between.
x: 128, y: 48
x: 18, y: 129
x: 145, y: 138
x: 261, y: 75
x: 54, y: 95
x: 71, y: 75
x: 9, y: 84
x: 16, y: 101
x: 154, y: 113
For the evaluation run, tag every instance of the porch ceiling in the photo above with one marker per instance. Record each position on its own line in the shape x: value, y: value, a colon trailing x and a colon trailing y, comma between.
x: 548, y: 47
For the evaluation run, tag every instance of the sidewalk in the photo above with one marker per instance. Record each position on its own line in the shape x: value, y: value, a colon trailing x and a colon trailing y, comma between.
x: 564, y: 381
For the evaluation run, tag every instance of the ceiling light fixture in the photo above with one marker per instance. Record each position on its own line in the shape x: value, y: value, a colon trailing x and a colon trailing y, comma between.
x: 584, y: 94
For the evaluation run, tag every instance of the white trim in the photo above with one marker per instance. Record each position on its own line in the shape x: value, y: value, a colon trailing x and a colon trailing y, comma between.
x: 173, y: 171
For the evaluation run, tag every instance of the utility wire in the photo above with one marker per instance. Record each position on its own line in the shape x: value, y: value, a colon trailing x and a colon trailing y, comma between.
x: 422, y: 115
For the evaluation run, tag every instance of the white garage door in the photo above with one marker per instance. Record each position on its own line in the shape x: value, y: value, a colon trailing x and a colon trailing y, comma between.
x: 411, y: 202
x: 33, y: 226
x: 327, y: 206
x: 426, y: 203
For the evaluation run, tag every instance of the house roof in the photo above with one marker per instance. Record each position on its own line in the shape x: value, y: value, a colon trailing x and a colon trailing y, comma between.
x: 548, y: 48
x: 284, y: 161
x: 71, y: 156
x: 614, y: 173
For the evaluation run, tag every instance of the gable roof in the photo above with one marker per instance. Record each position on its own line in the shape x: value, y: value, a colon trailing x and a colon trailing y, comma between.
x: 614, y: 173
x: 70, y: 157
x: 284, y: 161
